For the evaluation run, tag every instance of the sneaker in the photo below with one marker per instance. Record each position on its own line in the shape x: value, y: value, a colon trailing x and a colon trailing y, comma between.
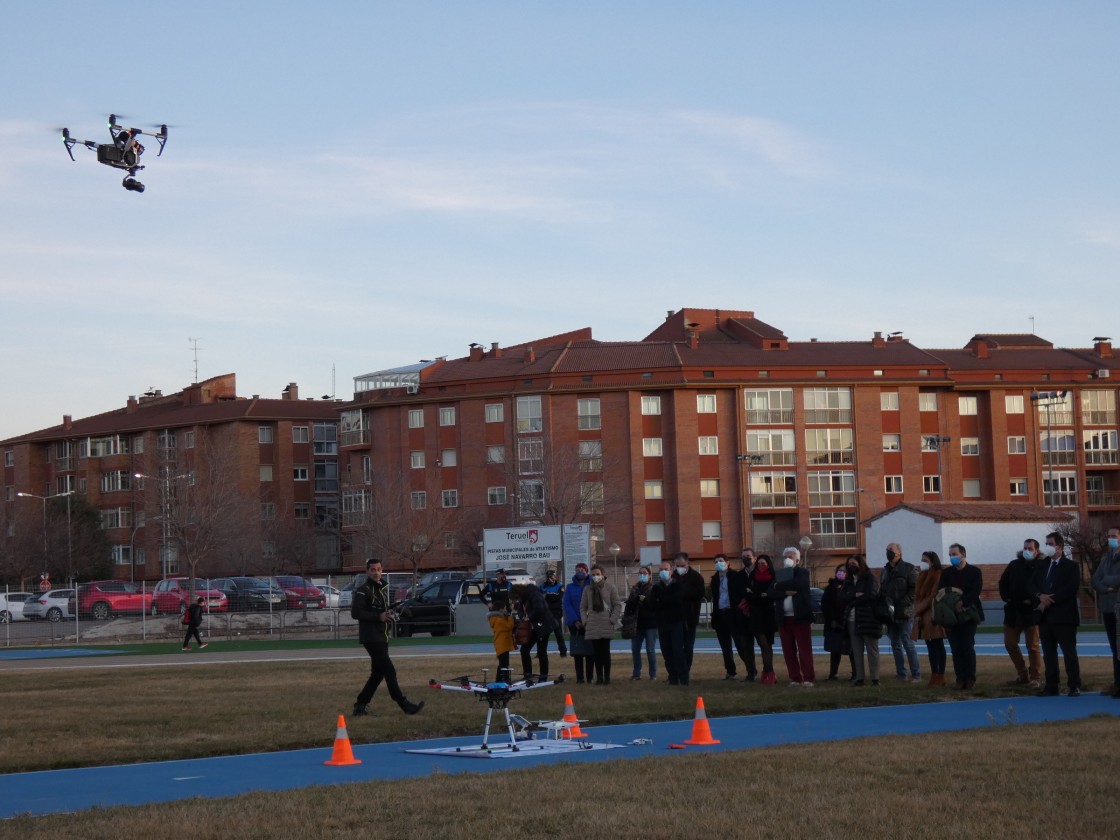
x: 806, y: 685
x: 729, y: 676
x: 1033, y: 684
x: 360, y: 710
x: 917, y: 678
x: 636, y: 677
x: 1073, y: 692
x: 834, y: 678
x: 411, y: 708
x: 794, y: 684
x: 200, y: 647
x: 186, y: 648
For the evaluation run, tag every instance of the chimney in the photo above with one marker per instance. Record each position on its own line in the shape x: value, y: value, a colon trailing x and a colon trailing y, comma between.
x: 877, y: 339
x: 1103, y: 348
x: 67, y: 421
x: 979, y: 347
x: 476, y: 352
x: 530, y: 354
x: 130, y: 406
x: 291, y: 392
x: 693, y: 339
x: 495, y: 350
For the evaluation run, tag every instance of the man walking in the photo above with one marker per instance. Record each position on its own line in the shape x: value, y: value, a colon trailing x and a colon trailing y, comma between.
x: 1020, y: 616
x: 1106, y: 583
x: 899, y: 582
x: 371, y: 609
x: 1057, y: 583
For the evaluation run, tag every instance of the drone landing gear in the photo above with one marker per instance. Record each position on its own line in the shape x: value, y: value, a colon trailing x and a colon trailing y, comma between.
x: 132, y: 185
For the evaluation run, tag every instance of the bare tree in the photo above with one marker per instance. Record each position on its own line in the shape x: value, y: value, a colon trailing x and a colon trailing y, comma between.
x: 1088, y: 543
x: 563, y: 484
x: 69, y: 544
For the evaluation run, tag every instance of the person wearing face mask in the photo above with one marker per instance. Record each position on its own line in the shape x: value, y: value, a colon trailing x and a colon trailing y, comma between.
x: 692, y: 594
x: 553, y: 591
x: 858, y: 595
x: 898, y: 582
x: 764, y: 621
x: 639, y: 607
x: 1058, y: 580
x: 968, y: 581
x: 600, y: 609
x: 578, y: 645
x: 794, y: 614
x: 1020, y: 613
x: 728, y: 589
x: 667, y: 603
x: 836, y: 640
x: 929, y: 576
x: 530, y: 605
x: 1106, y: 583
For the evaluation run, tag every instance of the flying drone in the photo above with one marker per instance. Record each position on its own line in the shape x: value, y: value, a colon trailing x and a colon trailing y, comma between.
x: 497, y: 695
x: 123, y: 153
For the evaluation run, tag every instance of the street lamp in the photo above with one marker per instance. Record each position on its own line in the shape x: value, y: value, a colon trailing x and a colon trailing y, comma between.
x: 1049, y: 399
x: 750, y: 460
x: 937, y: 443
x: 614, y: 549
x: 165, y: 550
x: 806, y: 544
x: 69, y: 528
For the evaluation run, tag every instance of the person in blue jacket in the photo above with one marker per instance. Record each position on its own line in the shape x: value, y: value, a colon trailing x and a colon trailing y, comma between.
x: 580, y: 648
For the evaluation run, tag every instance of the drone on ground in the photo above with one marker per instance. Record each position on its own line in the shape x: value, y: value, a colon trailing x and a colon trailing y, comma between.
x: 123, y: 153
x: 497, y: 695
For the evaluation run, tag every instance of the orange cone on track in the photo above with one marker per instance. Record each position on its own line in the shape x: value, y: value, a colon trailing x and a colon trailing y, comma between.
x: 701, y: 731
x: 342, y: 755
x: 570, y: 717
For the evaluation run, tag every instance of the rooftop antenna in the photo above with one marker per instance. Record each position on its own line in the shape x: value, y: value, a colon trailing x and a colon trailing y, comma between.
x: 1031, y: 317
x: 331, y: 395
x: 194, y: 346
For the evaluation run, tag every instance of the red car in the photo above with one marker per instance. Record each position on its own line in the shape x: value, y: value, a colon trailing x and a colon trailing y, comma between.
x: 170, y: 596
x: 107, y: 598
x: 299, y: 591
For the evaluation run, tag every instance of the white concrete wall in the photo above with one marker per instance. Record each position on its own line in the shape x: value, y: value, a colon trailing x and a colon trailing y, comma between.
x: 988, y: 543
x: 914, y: 532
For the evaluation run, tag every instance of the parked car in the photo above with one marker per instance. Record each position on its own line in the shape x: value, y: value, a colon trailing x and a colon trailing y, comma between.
x: 330, y: 593
x: 50, y: 605
x: 249, y: 593
x: 103, y: 599
x: 170, y: 596
x: 299, y: 591
x: 11, y: 606
x: 346, y: 594
x: 430, y: 610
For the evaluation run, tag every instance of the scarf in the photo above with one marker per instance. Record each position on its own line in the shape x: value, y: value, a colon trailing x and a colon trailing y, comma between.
x: 597, y: 596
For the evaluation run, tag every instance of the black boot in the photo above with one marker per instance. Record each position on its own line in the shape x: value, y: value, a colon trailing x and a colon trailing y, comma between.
x: 360, y: 710
x: 409, y: 707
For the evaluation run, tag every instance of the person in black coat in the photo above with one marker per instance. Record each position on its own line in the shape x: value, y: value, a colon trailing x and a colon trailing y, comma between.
x: 764, y: 623
x: 667, y: 602
x: 729, y: 587
x: 858, y: 595
x: 969, y: 581
x: 1058, y: 582
x: 639, y: 609
x: 371, y: 609
x: 530, y: 604
x: 1020, y: 613
x: 193, y: 622
x: 692, y: 596
x: 836, y: 640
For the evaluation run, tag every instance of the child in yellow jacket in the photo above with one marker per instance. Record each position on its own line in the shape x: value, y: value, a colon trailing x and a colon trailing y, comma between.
x: 501, y: 625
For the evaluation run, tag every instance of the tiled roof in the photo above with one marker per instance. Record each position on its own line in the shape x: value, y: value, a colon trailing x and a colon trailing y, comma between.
x: 980, y: 512
x: 1040, y: 358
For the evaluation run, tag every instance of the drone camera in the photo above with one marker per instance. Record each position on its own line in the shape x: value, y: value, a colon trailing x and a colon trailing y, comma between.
x: 132, y: 185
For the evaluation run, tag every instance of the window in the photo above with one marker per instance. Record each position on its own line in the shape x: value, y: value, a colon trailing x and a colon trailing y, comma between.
x: 299, y: 472
x: 967, y: 406
x: 892, y: 443
x: 709, y: 487
x: 416, y: 418
x: 299, y: 434
x: 828, y: 446
x: 325, y: 437
x: 530, y: 456
x: 447, y: 416
x: 495, y: 454
x: 449, y: 458
x: 188, y: 439
x: 655, y: 489
x: 1060, y: 490
x: 122, y: 556
x: 9, y: 458
x: 450, y: 498
x: 419, y: 500
x: 705, y: 403
x: 931, y: 483
x: 353, y: 427
x: 138, y: 445
x: 588, y: 413
x: 892, y: 484
x: 927, y: 401
x: 709, y: 445
x: 1055, y: 408
x: 711, y: 530
x: 531, y: 503
x: 590, y: 455
x: 1101, y: 446
x: 888, y: 400
x: 1098, y: 408
x: 495, y: 495
x: 266, y: 472
x: 773, y: 489
x: 591, y: 497
x: 971, y: 488
x: 655, y: 532
x: 495, y: 412
x: 529, y: 414
x: 65, y: 484
x: 651, y: 405
x: 770, y: 406
x: 111, y: 481
x: 833, y: 488
x: 651, y: 447
x: 416, y: 458
x: 264, y: 434
x: 116, y: 518
x: 268, y: 510
x: 1016, y: 445
x: 773, y: 446
x: 302, y: 510
x: 970, y: 446
x: 1058, y: 448
x: 828, y: 405
x: 1018, y: 487
x: 367, y: 470
x: 833, y: 530
x: 1013, y: 403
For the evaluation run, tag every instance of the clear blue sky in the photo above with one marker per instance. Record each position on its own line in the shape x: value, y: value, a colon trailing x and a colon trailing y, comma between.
x: 365, y: 184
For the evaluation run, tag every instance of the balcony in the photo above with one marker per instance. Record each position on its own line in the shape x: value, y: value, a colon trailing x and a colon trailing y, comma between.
x: 1102, y: 498
x: 1095, y: 457
x: 354, y: 437
x: 828, y: 415
x: 63, y: 464
x: 1092, y: 417
x: 829, y: 456
x: 1061, y: 499
x: 1057, y: 417
x: 775, y: 459
x: 761, y: 501
x: 830, y: 499
x: 835, y: 541
x: 354, y: 518
x: 1059, y: 459
x: 767, y: 416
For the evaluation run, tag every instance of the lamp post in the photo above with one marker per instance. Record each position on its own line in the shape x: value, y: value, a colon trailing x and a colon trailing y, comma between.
x: 750, y: 460
x: 806, y: 544
x: 1049, y: 399
x: 165, y: 509
x: 937, y: 443
x: 69, y: 528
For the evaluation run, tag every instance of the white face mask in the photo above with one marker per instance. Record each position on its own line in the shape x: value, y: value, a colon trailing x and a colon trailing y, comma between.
x: 1048, y: 550
x: 789, y: 563
x: 923, y: 565
x: 682, y: 570
x: 597, y: 578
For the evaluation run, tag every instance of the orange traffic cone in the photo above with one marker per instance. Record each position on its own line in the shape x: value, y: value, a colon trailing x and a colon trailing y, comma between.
x: 570, y: 717
x: 701, y: 731
x: 342, y: 755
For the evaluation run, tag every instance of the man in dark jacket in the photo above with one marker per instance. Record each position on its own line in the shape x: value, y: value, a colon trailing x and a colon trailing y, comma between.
x: 1106, y: 583
x: 729, y: 587
x: 692, y: 596
x: 898, y: 582
x: 1058, y: 582
x: 553, y: 591
x: 1020, y: 613
x: 668, y: 607
x: 193, y: 621
x: 371, y: 609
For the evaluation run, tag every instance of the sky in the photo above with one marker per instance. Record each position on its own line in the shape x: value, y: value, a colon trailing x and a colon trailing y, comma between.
x: 355, y: 186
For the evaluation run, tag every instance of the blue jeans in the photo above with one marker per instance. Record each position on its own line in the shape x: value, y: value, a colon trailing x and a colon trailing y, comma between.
x: 649, y: 639
x: 899, y: 634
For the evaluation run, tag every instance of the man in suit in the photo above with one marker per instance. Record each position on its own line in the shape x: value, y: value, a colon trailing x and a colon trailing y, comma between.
x: 728, y: 589
x: 1057, y: 583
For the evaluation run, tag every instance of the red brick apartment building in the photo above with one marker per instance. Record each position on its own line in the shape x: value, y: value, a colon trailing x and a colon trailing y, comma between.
x: 256, y: 479
x: 716, y: 431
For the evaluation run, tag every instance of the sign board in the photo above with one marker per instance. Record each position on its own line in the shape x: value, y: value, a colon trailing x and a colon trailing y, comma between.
x: 577, y: 546
x: 528, y: 548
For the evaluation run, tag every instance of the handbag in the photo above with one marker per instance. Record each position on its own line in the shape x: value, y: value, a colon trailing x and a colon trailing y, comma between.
x: 523, y: 632
x: 629, y: 627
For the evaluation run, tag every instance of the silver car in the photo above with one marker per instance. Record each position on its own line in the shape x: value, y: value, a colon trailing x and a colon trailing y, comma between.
x: 11, y: 606
x: 53, y: 605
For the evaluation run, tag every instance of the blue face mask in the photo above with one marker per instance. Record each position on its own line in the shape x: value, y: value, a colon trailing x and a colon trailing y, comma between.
x: 1028, y: 554
x: 721, y: 566
x: 665, y: 574
x: 580, y: 575
x: 955, y: 559
x: 1113, y: 543
x: 643, y: 578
